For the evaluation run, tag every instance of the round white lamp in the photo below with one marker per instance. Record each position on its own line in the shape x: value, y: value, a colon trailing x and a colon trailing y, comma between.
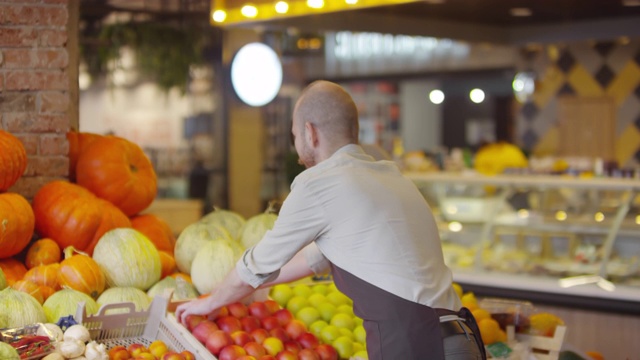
x: 256, y: 74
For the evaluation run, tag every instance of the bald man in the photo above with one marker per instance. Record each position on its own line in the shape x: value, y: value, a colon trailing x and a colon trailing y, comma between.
x: 370, y: 227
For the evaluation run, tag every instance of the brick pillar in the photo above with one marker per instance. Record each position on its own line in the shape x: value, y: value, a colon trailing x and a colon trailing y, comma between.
x: 34, y: 86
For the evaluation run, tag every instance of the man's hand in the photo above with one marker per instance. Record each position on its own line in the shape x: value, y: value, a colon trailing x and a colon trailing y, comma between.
x: 203, y: 306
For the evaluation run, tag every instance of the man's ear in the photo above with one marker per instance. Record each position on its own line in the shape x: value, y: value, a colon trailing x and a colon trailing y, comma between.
x: 311, y: 133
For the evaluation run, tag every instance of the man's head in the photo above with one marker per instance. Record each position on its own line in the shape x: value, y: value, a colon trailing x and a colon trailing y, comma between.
x: 325, y: 119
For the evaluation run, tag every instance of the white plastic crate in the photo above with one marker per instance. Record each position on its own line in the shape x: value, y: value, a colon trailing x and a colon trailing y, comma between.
x: 141, y: 327
x: 542, y: 347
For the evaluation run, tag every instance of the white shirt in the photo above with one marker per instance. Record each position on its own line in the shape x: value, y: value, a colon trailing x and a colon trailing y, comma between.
x: 364, y: 217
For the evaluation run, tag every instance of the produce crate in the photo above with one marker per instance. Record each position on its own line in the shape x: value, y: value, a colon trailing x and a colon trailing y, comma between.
x: 141, y: 327
x: 542, y: 347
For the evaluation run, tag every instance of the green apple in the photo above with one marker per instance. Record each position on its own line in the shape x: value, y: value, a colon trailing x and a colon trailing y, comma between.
x: 308, y: 315
x: 338, y: 298
x: 345, y: 309
x: 344, y: 346
x: 320, y: 289
x: 329, y: 333
x: 348, y: 333
x: 296, y: 303
x: 361, y: 355
x: 302, y: 290
x: 342, y: 320
x: 327, y: 311
x: 360, y: 334
x: 316, y: 327
x: 358, y: 320
x: 281, y: 293
x: 316, y: 299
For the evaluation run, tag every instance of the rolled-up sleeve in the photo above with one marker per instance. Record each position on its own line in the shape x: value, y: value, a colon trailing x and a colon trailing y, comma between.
x: 299, y: 223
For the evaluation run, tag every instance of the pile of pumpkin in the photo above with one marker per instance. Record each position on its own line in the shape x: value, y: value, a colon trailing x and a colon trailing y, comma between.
x: 86, y: 240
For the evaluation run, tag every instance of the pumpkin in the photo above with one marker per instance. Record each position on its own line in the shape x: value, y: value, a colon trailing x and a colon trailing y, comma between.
x: 13, y: 270
x: 42, y: 252
x: 44, y: 275
x: 167, y: 264
x: 117, y: 170
x: 191, y: 240
x: 72, y: 216
x: 80, y: 272
x: 78, y: 143
x: 3, y: 280
x: 183, y: 276
x: 155, y: 229
x: 13, y: 158
x: 16, y: 224
x: 256, y: 227
x: 128, y: 259
x: 18, y: 309
x: 46, y: 291
x: 30, y: 288
x: 231, y: 221
x: 117, y: 295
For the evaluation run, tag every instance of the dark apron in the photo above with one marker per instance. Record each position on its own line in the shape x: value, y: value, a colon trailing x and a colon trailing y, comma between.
x: 397, y: 328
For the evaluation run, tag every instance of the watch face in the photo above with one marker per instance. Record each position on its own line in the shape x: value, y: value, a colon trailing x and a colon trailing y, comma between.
x: 256, y: 74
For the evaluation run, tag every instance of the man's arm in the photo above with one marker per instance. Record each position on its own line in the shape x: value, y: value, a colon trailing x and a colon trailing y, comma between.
x: 233, y: 288
x: 295, y: 269
x: 230, y: 290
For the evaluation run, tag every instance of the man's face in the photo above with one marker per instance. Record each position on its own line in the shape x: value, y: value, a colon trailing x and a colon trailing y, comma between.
x: 304, y: 150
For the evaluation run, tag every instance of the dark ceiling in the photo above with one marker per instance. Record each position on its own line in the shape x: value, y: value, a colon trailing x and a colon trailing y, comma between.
x: 471, y: 20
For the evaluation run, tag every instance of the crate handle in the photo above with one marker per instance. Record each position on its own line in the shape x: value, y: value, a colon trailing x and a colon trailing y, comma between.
x: 127, y: 305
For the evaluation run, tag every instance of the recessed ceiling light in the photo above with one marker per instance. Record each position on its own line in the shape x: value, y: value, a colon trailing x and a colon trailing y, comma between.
x: 520, y: 12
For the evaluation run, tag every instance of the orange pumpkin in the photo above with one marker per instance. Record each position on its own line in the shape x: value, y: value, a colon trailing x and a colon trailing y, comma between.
x: 78, y: 143
x: 46, y: 291
x: 13, y: 158
x: 117, y: 170
x: 167, y: 264
x: 17, y: 219
x: 72, y: 216
x: 184, y: 276
x: 46, y: 275
x: 80, y: 272
x: 157, y: 230
x: 42, y: 252
x: 13, y: 270
x: 29, y: 288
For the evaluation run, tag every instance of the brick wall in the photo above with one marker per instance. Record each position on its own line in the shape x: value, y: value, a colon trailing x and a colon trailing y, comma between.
x: 34, y: 86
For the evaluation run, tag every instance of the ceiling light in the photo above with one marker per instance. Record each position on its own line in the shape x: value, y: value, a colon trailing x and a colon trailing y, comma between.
x: 630, y: 3
x: 249, y: 11
x: 520, y: 12
x: 436, y: 96
x: 282, y: 7
x: 476, y: 95
x: 316, y: 4
x: 351, y: 2
x: 219, y: 15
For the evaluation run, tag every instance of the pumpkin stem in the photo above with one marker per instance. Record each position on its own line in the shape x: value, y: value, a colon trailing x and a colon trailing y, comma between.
x: 70, y: 250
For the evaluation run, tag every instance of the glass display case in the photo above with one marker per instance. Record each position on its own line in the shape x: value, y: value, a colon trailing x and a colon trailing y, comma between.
x: 550, y: 239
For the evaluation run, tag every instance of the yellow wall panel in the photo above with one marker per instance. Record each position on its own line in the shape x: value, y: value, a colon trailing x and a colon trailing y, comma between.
x: 548, y: 86
x: 548, y: 144
x: 624, y: 83
x: 583, y: 83
x: 627, y: 144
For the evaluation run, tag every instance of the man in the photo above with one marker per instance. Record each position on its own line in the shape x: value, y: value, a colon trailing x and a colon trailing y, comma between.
x: 371, y: 227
